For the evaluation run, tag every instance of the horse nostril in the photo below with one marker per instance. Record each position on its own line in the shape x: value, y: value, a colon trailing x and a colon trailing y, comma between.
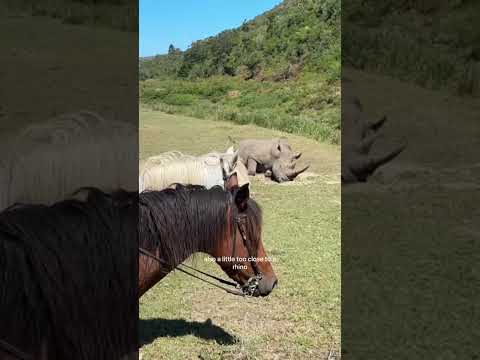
x: 274, y: 284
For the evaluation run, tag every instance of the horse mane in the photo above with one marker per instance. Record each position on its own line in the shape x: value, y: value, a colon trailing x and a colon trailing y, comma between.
x: 45, y: 162
x: 69, y: 275
x: 166, y: 158
x: 161, y: 171
x: 185, y: 220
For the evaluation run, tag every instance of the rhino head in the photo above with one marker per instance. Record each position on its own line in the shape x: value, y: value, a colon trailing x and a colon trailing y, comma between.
x: 358, y: 137
x: 281, y: 173
x: 357, y: 167
x: 284, y: 167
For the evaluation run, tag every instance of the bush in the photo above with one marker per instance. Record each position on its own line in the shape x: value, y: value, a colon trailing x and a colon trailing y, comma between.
x: 308, y: 106
x: 179, y: 99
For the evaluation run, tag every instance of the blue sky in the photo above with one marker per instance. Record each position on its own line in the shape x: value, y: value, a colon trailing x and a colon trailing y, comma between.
x: 180, y: 22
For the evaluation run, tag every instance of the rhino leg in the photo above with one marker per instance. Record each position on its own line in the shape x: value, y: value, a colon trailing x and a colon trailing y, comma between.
x: 251, y: 167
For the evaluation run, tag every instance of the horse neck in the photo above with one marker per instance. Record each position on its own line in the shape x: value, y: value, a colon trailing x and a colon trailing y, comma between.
x: 151, y: 272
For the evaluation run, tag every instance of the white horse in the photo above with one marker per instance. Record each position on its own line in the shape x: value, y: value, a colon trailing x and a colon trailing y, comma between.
x: 161, y: 171
x: 47, y: 162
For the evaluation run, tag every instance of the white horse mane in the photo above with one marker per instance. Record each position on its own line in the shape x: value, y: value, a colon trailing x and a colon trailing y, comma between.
x: 161, y: 171
x: 47, y: 162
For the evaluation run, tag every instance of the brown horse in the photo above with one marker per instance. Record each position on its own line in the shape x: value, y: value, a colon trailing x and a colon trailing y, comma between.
x: 69, y: 272
x: 177, y: 223
x: 68, y: 279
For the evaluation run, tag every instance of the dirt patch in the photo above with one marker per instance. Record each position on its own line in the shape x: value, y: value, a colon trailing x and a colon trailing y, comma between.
x: 468, y: 231
x: 233, y: 94
x: 306, y: 178
x: 408, y: 175
x: 245, y: 317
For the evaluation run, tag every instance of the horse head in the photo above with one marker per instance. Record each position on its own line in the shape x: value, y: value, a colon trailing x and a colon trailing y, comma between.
x: 242, y: 255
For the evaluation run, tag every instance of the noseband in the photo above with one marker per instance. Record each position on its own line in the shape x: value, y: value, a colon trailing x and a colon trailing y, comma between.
x: 252, y: 283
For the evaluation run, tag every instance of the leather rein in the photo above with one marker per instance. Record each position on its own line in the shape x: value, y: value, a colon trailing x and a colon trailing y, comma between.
x: 13, y: 351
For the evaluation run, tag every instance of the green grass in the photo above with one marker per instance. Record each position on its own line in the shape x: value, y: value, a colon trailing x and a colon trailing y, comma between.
x: 54, y: 71
x: 410, y: 235
x: 308, y: 106
x: 184, y: 319
x: 433, y: 50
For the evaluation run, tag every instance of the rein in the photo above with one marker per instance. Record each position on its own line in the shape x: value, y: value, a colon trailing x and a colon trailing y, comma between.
x: 223, y: 281
x: 12, y: 350
x: 247, y: 290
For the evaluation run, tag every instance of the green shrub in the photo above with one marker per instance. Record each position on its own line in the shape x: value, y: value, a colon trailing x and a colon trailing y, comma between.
x: 309, y: 106
x: 179, y: 99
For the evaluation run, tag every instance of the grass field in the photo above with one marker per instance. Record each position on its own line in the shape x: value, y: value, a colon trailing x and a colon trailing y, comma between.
x: 42, y: 78
x: 183, y: 319
x: 308, y: 106
x: 410, y: 235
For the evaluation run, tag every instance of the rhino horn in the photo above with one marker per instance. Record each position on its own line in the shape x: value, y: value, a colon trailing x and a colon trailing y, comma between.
x: 293, y: 174
x: 374, y: 162
x: 367, y: 143
x: 378, y: 124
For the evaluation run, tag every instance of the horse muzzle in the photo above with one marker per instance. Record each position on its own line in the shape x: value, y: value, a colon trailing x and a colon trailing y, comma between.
x: 259, y: 286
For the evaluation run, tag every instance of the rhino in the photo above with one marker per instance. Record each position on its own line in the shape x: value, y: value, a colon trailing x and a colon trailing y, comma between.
x: 358, y: 136
x: 273, y: 157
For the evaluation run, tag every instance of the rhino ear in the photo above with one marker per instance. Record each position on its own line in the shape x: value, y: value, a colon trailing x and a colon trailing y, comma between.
x: 276, y: 149
x: 242, y: 196
x: 232, y: 182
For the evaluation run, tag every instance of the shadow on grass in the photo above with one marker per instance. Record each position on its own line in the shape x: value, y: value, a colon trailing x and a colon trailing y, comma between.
x: 151, y: 329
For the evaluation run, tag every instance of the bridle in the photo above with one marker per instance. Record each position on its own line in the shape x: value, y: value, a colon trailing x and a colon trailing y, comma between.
x: 224, y: 172
x: 249, y: 288
x: 252, y: 284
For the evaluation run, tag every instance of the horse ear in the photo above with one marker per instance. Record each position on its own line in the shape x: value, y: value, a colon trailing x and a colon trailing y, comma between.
x: 242, y: 196
x: 235, y: 157
x: 232, y: 182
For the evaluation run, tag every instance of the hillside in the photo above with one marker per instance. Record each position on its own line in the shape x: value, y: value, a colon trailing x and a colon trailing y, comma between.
x: 279, y: 70
x: 295, y: 33
x: 434, y: 44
